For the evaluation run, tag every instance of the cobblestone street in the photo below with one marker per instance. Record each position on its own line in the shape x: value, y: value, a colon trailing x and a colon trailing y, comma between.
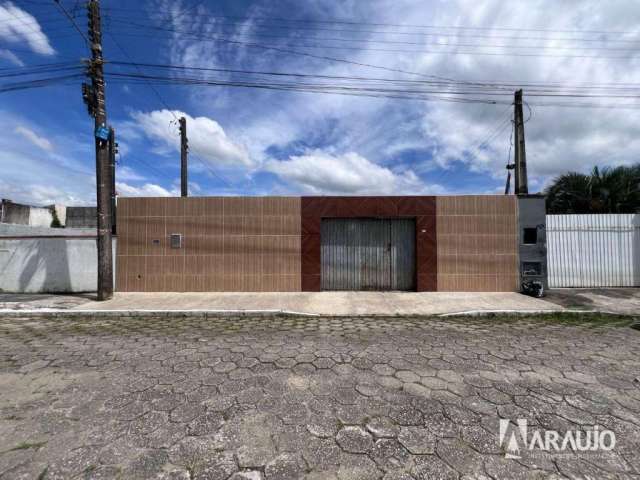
x: 314, y: 398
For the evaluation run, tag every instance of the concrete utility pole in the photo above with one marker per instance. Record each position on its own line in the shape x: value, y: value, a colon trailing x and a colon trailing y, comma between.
x: 97, y: 108
x: 184, y: 149
x: 113, y: 150
x: 522, y: 187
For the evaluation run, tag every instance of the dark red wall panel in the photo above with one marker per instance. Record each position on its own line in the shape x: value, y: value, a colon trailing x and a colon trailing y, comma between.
x: 423, y: 209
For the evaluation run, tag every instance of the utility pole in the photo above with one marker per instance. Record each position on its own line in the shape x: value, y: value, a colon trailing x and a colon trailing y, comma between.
x: 521, y: 187
x: 113, y: 150
x: 184, y: 148
x: 95, y: 97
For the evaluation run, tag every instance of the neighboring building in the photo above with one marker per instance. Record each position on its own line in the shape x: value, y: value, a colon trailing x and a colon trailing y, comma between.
x: 82, y: 217
x: 48, y: 260
x: 422, y: 243
x: 19, y: 214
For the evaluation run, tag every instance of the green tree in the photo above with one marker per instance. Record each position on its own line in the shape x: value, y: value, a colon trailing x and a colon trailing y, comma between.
x: 606, y: 190
x: 55, y: 221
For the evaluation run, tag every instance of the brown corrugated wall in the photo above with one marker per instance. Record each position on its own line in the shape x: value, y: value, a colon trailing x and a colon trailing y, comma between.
x: 477, y: 243
x: 463, y: 243
x: 230, y: 244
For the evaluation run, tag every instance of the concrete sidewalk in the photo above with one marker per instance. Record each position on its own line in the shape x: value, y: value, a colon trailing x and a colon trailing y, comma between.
x: 619, y: 300
x: 327, y: 303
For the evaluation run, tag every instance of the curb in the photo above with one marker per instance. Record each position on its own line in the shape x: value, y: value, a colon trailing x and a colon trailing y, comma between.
x: 53, y: 312
x: 201, y: 313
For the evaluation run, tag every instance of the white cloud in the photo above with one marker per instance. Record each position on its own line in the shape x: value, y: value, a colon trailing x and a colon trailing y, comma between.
x: 12, y: 57
x: 382, y: 130
x: 40, y: 194
x: 207, y: 139
x: 558, y: 139
x: 128, y: 174
x: 34, y: 138
x: 18, y: 26
x: 349, y: 173
x: 32, y: 173
x: 146, y: 190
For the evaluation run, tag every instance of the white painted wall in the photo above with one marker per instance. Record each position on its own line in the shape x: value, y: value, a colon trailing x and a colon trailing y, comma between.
x: 49, y: 265
x: 593, y: 250
x: 40, y: 217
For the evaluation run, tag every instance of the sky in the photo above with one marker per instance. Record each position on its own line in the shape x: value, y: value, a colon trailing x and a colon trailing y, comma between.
x: 249, y: 141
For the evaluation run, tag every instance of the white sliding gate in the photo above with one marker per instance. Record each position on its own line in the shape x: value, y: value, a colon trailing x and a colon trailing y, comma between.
x: 593, y: 250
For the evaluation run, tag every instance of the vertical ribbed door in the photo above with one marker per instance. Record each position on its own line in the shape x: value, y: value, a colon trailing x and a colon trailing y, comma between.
x: 368, y: 254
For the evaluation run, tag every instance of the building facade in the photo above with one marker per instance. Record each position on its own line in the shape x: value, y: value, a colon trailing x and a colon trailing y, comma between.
x: 419, y: 243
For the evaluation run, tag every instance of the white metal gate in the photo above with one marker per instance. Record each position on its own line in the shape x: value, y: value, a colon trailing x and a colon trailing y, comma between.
x: 593, y: 250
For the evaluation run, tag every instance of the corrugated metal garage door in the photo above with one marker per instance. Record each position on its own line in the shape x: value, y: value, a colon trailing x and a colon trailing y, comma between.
x: 368, y: 254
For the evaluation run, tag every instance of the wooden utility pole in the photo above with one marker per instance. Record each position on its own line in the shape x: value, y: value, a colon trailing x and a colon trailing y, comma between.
x: 522, y: 187
x: 96, y: 96
x: 113, y: 150
x: 184, y: 148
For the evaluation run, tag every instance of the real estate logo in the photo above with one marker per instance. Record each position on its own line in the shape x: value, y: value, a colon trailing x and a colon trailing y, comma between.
x: 518, y: 437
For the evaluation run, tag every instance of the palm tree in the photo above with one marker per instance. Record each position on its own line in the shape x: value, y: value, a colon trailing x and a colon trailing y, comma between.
x: 607, y: 190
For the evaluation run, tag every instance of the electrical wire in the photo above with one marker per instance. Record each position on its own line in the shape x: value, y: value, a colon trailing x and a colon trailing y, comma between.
x: 303, y: 54
x: 221, y: 39
x: 397, y: 42
x: 242, y: 19
x: 479, y: 86
x: 162, y: 101
x: 397, y: 90
x: 73, y: 22
x: 358, y: 86
x: 39, y: 83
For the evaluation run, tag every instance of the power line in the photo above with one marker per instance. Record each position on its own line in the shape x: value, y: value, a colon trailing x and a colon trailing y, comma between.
x: 396, y: 86
x: 73, y: 22
x: 304, y: 54
x: 379, y: 24
x: 323, y: 88
x: 155, y: 91
x: 38, y: 83
x: 503, y: 88
x: 89, y: 45
x: 324, y: 57
x: 423, y: 44
x: 363, y: 86
x: 494, y: 133
x: 430, y: 91
x: 421, y: 95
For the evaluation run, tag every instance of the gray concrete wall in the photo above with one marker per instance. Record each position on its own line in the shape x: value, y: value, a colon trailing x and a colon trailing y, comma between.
x: 532, y: 214
x: 82, y: 217
x: 49, y: 265
x: 15, y: 213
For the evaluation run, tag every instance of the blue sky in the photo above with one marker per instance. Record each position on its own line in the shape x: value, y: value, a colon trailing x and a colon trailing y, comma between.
x: 259, y: 142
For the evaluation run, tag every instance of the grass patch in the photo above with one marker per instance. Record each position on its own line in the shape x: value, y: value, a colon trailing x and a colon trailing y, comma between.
x: 27, y: 445
x: 587, y: 319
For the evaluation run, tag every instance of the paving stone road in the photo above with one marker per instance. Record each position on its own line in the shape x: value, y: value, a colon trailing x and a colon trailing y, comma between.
x: 313, y: 398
